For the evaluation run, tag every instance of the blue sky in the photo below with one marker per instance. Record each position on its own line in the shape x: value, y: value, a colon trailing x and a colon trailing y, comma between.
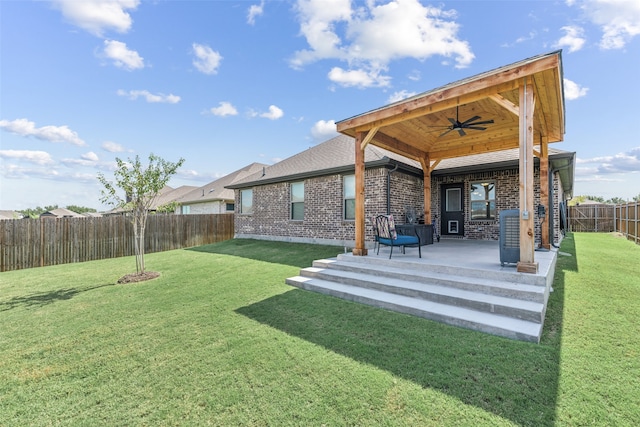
x: 227, y: 83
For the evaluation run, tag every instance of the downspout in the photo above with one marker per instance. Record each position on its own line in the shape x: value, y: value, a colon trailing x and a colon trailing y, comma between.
x: 389, y: 188
x: 551, y: 223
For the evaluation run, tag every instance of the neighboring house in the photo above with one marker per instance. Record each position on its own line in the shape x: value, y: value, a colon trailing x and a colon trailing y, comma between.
x: 310, y: 197
x: 92, y: 214
x: 60, y: 213
x: 9, y: 215
x: 164, y: 197
x: 214, y: 197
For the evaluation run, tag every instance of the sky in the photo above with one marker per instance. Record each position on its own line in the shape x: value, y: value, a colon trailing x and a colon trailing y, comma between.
x: 224, y: 84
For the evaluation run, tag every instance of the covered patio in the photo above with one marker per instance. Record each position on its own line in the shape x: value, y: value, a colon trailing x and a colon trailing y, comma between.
x: 520, y: 105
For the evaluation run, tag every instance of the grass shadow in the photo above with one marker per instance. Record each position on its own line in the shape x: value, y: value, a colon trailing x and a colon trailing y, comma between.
x: 294, y: 254
x: 515, y: 380
x: 41, y: 299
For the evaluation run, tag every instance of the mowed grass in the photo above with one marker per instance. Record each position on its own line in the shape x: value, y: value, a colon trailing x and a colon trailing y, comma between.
x: 219, y: 339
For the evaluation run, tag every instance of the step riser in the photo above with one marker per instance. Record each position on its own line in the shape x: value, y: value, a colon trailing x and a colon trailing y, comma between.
x: 533, y: 316
x: 416, y: 312
x: 460, y: 283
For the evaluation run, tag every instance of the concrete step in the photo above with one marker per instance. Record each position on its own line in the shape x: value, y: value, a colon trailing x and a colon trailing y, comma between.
x: 459, y: 269
x: 438, y: 291
x: 500, y: 287
x: 491, y: 323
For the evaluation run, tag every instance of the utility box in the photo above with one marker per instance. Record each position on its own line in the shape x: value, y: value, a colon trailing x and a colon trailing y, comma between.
x: 509, y: 236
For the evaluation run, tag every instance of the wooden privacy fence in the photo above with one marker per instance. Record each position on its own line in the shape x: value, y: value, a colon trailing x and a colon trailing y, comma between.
x: 597, y: 218
x: 627, y: 220
x: 27, y: 243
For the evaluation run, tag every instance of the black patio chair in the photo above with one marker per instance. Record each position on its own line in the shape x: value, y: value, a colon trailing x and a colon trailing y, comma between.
x: 386, y: 235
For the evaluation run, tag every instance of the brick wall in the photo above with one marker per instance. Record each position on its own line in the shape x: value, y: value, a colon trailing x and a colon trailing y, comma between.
x: 323, y: 211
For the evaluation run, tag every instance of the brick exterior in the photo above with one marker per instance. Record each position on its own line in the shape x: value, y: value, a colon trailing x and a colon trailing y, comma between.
x: 323, y: 211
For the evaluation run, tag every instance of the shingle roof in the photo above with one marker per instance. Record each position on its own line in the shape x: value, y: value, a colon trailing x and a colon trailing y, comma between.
x: 61, y: 213
x: 215, y: 190
x: 338, y: 155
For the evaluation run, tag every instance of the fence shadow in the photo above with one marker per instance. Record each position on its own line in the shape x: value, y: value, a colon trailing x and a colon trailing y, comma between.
x: 509, y: 378
x: 41, y: 299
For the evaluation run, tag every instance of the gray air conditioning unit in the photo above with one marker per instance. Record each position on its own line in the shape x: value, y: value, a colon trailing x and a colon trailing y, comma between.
x: 509, y: 236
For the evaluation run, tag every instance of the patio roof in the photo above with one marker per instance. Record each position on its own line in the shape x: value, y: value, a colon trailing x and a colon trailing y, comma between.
x: 414, y: 127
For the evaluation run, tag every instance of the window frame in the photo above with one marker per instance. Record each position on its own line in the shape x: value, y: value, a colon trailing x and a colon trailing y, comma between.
x: 294, y: 201
x: 348, y: 201
x: 488, y: 199
x: 249, y: 193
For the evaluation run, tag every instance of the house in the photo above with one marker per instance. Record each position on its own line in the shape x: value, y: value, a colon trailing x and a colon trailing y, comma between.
x: 5, y: 214
x: 310, y: 197
x: 165, y: 197
x: 214, y: 197
x: 60, y: 213
x: 516, y: 110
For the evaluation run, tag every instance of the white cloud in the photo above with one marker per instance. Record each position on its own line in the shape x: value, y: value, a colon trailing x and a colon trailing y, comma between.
x: 619, y: 20
x: 255, y: 10
x: 31, y: 156
x: 150, y: 97
x: 324, y: 129
x: 112, y: 147
x: 224, y: 109
x: 26, y: 127
x: 358, y: 78
x: 619, y: 163
x: 399, y: 96
x: 572, y: 90
x: 573, y: 38
x: 91, y: 156
x: 274, y: 113
x: 98, y: 16
x: 376, y: 34
x: 206, y: 59
x: 122, y: 56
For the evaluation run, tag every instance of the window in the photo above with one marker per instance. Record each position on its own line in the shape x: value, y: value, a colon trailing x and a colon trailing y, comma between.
x: 246, y: 201
x: 186, y: 209
x: 349, y: 189
x: 297, y: 201
x: 230, y: 207
x: 483, y: 200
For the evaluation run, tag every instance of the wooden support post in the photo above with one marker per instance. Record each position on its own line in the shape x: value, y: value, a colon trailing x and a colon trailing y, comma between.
x: 527, y: 262
x: 544, y: 193
x: 426, y: 187
x: 359, y: 249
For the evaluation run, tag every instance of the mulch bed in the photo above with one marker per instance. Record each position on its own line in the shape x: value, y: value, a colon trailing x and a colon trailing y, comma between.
x: 139, y: 277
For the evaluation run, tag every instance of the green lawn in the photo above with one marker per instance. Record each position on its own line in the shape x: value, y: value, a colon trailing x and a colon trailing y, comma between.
x: 219, y: 339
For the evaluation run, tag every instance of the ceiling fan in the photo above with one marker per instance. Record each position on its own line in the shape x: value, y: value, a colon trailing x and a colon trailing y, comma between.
x: 467, y: 124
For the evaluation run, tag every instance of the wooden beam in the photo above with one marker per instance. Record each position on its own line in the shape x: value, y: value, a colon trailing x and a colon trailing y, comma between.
x: 432, y: 104
x: 527, y: 262
x: 505, y: 103
x: 426, y: 187
x: 368, y: 138
x: 480, y: 87
x: 359, y: 249
x: 477, y: 148
x: 389, y: 143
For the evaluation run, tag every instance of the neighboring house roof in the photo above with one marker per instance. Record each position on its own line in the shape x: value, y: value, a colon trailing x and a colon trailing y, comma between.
x: 92, y: 214
x: 61, y: 213
x: 9, y: 215
x: 338, y: 155
x: 216, y: 190
x: 168, y: 195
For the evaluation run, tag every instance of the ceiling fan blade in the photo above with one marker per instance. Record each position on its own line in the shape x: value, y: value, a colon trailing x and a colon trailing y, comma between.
x: 466, y: 122
x: 461, y: 132
x: 446, y: 132
x: 453, y: 122
x: 484, y: 122
x: 475, y: 127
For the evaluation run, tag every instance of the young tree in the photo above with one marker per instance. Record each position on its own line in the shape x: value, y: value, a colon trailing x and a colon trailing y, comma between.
x: 140, y: 186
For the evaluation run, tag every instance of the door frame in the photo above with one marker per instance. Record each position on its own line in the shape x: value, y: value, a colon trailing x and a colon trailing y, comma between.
x: 452, y: 222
